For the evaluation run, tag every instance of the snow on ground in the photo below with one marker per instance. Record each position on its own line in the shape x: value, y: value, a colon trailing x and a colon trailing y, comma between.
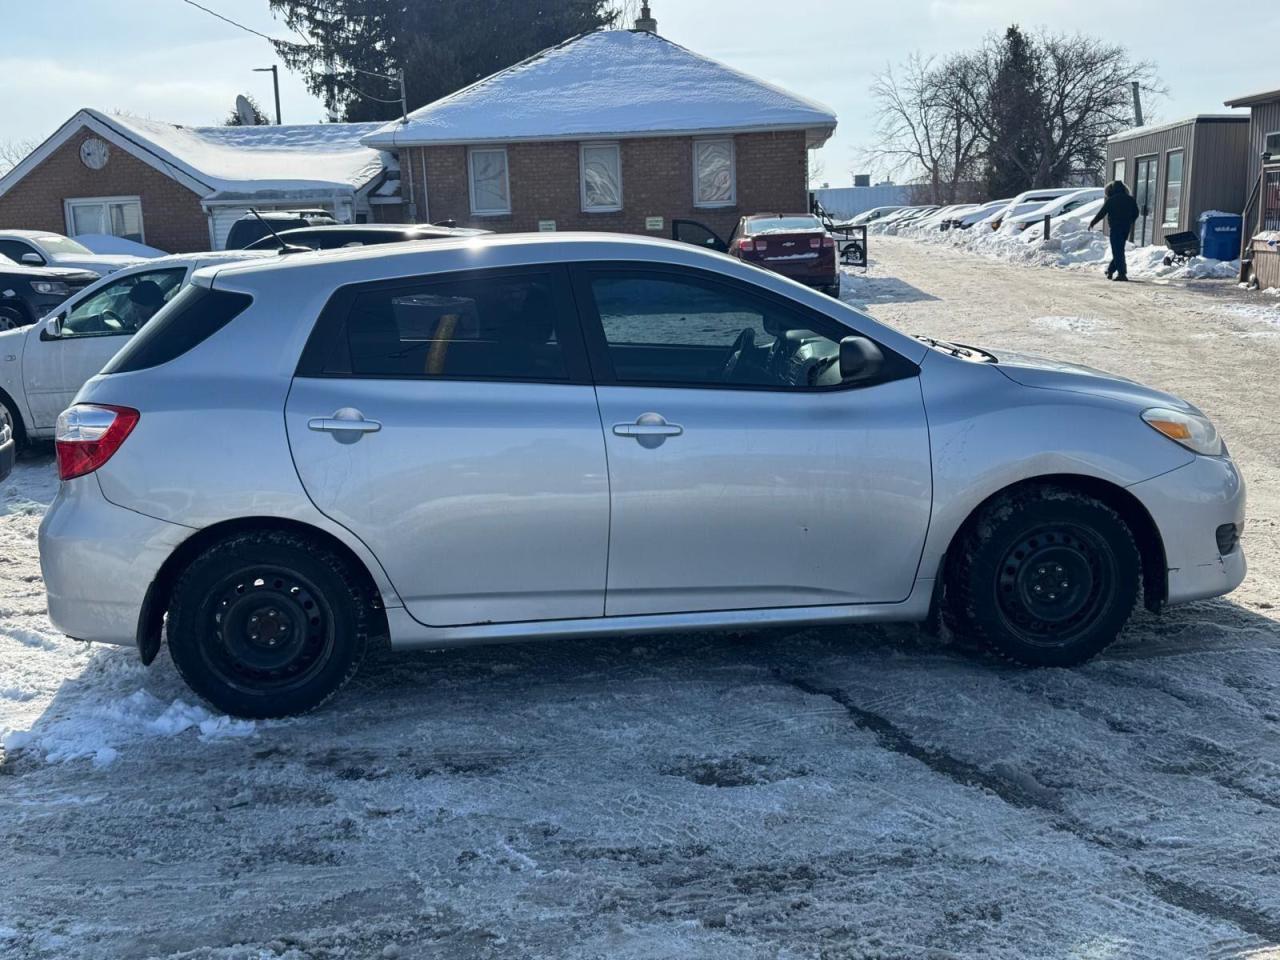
x: 1071, y: 245
x: 838, y: 793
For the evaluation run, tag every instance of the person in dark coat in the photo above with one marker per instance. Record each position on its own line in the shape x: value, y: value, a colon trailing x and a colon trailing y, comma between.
x: 1121, y: 211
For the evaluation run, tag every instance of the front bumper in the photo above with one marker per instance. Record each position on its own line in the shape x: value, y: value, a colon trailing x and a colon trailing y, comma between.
x: 1188, y: 505
x: 98, y: 561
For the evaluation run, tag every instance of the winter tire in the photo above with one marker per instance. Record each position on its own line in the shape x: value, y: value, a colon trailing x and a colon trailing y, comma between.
x: 1044, y: 577
x: 267, y: 624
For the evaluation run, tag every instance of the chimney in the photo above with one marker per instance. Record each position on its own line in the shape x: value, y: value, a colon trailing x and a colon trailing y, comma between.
x: 645, y: 21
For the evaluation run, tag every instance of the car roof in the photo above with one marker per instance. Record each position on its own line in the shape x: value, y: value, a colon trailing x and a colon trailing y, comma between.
x: 29, y: 233
x: 371, y: 228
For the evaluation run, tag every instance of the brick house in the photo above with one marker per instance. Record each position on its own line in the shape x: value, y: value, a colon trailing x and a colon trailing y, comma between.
x: 618, y: 130
x: 180, y: 188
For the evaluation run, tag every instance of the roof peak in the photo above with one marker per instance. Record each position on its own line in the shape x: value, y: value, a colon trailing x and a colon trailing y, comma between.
x: 608, y: 84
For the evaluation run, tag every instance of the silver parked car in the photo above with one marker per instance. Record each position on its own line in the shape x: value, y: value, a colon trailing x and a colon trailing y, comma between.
x: 516, y: 437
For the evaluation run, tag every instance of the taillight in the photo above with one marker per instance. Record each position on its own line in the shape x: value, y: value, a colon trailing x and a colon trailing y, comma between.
x: 744, y: 245
x: 815, y: 242
x: 88, y: 434
x: 762, y: 246
x: 829, y: 242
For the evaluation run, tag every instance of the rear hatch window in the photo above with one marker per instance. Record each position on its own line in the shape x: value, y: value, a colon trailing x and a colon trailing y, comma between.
x: 190, y: 318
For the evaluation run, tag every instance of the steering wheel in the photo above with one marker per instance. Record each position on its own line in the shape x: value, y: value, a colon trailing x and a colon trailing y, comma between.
x: 745, y: 341
x: 112, y: 319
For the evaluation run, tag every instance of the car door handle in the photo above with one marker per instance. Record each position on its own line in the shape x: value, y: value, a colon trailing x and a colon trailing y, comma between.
x: 347, y: 425
x: 649, y: 429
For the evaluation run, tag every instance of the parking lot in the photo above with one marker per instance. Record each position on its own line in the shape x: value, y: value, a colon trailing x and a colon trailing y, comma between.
x: 836, y: 793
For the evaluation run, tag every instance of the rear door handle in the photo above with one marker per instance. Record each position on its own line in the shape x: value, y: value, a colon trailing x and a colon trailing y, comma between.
x: 347, y: 425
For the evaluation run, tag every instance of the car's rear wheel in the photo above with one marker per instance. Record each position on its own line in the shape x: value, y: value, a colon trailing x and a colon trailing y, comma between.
x: 267, y: 624
x: 1043, y: 576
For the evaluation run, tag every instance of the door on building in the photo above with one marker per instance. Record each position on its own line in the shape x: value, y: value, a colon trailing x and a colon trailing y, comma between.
x: 1144, y: 193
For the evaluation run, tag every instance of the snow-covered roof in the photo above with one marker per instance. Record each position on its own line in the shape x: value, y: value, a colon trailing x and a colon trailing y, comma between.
x: 611, y: 83
x: 294, y: 160
x: 1151, y: 128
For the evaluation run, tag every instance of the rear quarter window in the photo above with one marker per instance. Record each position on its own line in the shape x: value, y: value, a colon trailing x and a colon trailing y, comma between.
x: 193, y: 316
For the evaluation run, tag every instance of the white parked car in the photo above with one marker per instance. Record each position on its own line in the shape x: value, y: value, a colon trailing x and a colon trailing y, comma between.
x: 38, y: 248
x: 1070, y: 221
x: 1025, y: 202
x: 875, y: 213
x: 42, y: 366
x: 1053, y: 208
x: 966, y: 220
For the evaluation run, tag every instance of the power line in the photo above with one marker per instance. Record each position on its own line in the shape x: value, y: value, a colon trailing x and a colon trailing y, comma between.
x: 234, y: 23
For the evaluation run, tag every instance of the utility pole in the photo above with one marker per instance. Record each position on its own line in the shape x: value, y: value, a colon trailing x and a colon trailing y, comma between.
x: 275, y: 83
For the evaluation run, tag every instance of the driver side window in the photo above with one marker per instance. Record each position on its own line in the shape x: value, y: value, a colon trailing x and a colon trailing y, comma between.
x: 122, y: 307
x: 684, y: 330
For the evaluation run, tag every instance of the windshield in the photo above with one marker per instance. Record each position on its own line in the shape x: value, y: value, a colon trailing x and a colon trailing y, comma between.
x: 782, y: 224
x: 56, y: 244
x: 124, y: 305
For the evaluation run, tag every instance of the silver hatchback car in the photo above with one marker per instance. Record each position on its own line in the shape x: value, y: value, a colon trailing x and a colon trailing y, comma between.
x: 517, y: 437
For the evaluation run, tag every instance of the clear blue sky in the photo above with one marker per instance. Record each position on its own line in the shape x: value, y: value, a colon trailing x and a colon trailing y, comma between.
x: 166, y: 60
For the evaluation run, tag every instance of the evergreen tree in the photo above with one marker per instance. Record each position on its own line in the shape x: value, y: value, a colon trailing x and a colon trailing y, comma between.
x: 442, y: 45
x: 1015, y: 108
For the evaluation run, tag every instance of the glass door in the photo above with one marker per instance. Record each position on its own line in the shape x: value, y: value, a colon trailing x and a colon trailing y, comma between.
x: 1144, y: 193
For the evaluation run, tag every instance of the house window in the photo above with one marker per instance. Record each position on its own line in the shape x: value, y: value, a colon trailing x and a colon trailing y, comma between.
x: 601, y: 177
x: 714, y: 182
x: 490, y: 182
x: 1173, y: 189
x: 114, y: 216
x: 1117, y: 171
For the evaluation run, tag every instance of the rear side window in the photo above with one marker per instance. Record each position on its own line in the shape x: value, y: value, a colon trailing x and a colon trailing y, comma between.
x: 491, y: 327
x: 193, y: 316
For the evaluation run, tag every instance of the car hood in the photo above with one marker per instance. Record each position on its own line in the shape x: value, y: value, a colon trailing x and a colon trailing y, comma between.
x: 97, y: 262
x: 1048, y: 374
x: 60, y: 272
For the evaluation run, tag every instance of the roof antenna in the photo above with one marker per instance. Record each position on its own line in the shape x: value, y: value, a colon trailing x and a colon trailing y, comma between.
x: 284, y: 247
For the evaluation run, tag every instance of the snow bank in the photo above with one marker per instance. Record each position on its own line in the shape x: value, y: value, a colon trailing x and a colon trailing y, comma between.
x: 1071, y: 244
x: 105, y: 243
x: 62, y: 699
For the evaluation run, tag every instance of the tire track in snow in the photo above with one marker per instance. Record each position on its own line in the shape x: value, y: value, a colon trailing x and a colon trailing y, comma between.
x: 1183, y: 896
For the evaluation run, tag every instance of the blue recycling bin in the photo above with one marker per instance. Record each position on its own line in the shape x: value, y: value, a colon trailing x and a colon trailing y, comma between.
x: 1220, y: 235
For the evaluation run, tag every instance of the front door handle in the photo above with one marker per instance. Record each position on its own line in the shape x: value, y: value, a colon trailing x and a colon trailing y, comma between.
x: 347, y: 425
x: 649, y: 430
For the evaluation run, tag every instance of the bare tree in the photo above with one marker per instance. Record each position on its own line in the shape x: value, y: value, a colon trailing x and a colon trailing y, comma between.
x: 13, y: 152
x: 921, y: 130
x: 1071, y: 95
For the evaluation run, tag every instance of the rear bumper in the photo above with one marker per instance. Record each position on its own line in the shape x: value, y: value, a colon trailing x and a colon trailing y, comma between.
x: 98, y: 561
x: 1188, y: 505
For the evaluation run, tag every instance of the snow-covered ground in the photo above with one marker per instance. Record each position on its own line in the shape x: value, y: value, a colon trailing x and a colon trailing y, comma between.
x: 1071, y: 245
x: 836, y: 793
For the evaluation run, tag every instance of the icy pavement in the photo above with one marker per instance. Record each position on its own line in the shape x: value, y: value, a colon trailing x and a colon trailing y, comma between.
x: 837, y: 793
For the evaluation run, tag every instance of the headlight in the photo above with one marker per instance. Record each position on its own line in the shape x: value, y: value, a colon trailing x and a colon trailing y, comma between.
x: 51, y: 288
x: 1195, y: 433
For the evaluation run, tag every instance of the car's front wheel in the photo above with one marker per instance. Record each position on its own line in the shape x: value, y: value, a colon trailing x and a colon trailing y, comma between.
x: 1043, y: 576
x: 11, y: 317
x: 267, y: 624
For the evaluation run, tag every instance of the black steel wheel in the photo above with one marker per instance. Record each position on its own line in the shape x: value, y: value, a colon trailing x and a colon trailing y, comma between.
x: 1043, y: 576
x: 267, y: 624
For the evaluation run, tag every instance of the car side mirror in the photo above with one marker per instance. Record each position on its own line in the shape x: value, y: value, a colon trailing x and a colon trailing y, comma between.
x: 34, y: 259
x: 52, y: 328
x: 860, y: 360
